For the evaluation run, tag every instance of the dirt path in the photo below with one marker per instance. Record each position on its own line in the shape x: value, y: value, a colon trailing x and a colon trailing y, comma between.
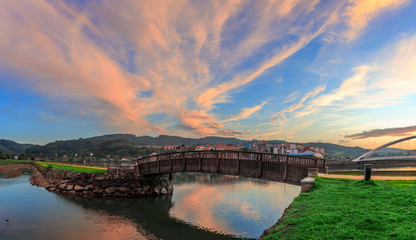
x: 358, y: 177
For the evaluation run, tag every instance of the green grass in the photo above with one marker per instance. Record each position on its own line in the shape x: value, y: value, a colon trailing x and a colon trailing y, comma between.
x: 71, y: 168
x: 15, y: 161
x: 348, y: 209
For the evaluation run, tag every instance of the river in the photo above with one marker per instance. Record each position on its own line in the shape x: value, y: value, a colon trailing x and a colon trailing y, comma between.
x: 202, y: 206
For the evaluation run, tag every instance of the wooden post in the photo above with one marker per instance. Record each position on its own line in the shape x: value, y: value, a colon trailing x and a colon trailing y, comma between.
x: 316, y: 162
x: 200, y: 163
x: 158, y: 163
x: 238, y: 163
x: 218, y: 161
x: 184, y: 164
x: 260, y: 165
x: 286, y: 165
x: 367, y: 172
x: 170, y: 161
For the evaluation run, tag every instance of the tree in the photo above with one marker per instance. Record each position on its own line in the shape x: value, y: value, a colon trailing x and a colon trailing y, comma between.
x: 22, y: 156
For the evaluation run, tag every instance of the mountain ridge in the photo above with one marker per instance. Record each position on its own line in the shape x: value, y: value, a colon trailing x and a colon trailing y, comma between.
x: 130, y: 144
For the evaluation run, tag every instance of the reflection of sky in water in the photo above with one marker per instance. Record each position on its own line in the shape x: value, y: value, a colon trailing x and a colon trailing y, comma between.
x: 35, y: 213
x: 220, y: 204
x: 244, y: 208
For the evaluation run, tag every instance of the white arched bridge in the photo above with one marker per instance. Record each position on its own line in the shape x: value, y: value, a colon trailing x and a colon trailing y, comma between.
x: 267, y: 166
x: 365, y: 156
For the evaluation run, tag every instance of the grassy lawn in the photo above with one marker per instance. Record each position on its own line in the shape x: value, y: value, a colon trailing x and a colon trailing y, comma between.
x: 15, y: 161
x: 73, y: 168
x: 348, y: 209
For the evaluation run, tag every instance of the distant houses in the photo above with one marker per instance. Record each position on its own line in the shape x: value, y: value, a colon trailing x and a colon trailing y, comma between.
x: 288, y: 148
x: 225, y: 146
x: 285, y: 148
x: 261, y: 147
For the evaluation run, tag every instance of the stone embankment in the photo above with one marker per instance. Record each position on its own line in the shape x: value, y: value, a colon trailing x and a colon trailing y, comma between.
x: 109, y: 184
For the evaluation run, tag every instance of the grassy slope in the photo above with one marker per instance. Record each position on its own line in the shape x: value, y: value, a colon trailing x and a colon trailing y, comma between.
x: 68, y: 167
x: 15, y: 161
x: 347, y: 209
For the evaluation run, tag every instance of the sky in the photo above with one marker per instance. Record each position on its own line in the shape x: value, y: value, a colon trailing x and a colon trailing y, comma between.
x: 341, y: 71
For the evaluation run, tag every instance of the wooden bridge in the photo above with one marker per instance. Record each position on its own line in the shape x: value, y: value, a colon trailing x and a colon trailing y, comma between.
x: 274, y: 167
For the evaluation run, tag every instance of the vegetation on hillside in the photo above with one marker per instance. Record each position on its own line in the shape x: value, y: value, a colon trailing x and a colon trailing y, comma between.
x: 347, y: 209
x: 116, y: 146
x: 13, y: 148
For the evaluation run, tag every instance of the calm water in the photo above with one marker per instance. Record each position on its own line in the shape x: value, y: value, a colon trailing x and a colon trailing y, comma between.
x: 203, y: 206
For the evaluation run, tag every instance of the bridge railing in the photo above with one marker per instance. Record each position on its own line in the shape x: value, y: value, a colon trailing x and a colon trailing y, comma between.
x: 276, y: 167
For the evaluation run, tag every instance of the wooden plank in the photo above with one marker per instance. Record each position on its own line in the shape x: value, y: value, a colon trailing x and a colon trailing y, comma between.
x: 238, y: 163
x: 218, y: 161
x: 184, y: 160
x: 170, y: 161
x: 200, y: 163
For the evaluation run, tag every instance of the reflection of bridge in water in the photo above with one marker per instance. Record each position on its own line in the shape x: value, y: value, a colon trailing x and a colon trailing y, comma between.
x: 267, y: 166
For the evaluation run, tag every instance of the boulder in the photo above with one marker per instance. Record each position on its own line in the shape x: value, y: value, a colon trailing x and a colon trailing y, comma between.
x: 100, y: 177
x: 110, y: 190
x: 69, y: 187
x: 163, y: 191
x: 98, y: 190
x: 124, y: 189
x: 89, y: 187
x: 78, y: 188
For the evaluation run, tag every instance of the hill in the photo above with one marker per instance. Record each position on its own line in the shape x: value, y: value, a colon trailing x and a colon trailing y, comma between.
x: 14, y: 148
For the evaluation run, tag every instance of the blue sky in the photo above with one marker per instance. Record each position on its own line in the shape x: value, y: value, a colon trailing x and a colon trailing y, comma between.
x: 333, y: 71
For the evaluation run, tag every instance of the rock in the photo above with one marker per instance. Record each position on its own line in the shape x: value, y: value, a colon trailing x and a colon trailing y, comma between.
x: 62, y: 186
x: 163, y: 191
x: 124, y: 189
x: 89, y: 187
x: 156, y: 190
x: 78, y: 188
x: 69, y: 187
x: 100, y: 177
x: 71, y: 192
x: 110, y: 190
x: 98, y: 190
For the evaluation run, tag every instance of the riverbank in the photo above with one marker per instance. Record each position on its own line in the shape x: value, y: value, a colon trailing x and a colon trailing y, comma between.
x: 349, y: 209
x: 107, y: 184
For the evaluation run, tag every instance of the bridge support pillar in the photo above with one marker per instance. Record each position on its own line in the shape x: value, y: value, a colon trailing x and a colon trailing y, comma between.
x: 307, y: 183
x: 312, y: 172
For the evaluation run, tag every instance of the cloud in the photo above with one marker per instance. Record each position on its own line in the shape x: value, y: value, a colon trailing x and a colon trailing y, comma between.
x: 246, y: 113
x: 400, y: 131
x: 100, y: 56
x: 284, y: 114
x: 124, y: 62
x: 360, y: 13
x: 353, y: 86
x: 291, y: 97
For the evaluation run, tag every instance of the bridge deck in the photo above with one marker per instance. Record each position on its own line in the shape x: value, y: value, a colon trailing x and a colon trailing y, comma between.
x: 274, y: 167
